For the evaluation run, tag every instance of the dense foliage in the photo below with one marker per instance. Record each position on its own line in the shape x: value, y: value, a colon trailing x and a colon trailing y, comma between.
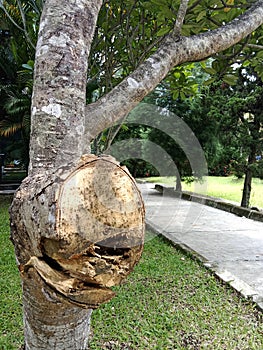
x: 127, y: 33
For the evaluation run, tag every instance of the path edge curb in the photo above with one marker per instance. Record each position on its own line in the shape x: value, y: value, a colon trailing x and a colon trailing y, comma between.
x: 210, y: 201
x: 241, y: 287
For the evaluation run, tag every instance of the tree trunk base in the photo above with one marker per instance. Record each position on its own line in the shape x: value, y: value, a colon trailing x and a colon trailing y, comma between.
x: 55, y: 323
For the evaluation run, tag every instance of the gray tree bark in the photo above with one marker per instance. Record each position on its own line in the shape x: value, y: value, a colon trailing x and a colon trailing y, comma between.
x: 74, y: 238
x: 51, y: 321
x: 58, y: 103
x: 64, y: 272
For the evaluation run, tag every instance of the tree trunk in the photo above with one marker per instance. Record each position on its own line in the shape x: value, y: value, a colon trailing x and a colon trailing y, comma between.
x: 50, y: 322
x: 254, y: 128
x: 60, y: 77
x: 77, y: 222
x: 77, y: 232
x: 247, y: 188
x: 178, y: 185
x: 57, y: 125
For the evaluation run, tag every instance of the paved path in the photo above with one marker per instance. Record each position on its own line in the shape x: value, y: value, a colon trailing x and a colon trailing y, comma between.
x: 230, y: 245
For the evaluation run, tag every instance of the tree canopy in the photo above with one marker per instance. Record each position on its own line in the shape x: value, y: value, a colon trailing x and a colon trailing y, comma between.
x: 127, y: 33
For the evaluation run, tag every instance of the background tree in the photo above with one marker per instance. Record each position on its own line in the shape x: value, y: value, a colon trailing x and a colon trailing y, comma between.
x: 19, y: 27
x: 62, y: 127
x: 226, y: 120
x: 237, y: 113
x: 180, y: 93
x: 129, y: 31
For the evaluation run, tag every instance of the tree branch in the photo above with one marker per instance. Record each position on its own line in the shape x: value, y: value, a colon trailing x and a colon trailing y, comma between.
x: 24, y: 24
x: 125, y: 96
x: 180, y: 18
x: 255, y: 46
x: 24, y: 29
x: 10, y: 17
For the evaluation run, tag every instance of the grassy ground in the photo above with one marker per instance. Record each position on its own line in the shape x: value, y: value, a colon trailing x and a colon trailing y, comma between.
x: 10, y: 295
x: 229, y: 188
x: 169, y: 302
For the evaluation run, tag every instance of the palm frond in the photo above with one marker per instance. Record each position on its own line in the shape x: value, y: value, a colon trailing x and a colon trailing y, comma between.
x: 26, y: 124
x: 17, y: 105
x: 13, y: 11
x: 6, y: 87
x: 8, y: 127
x: 36, y: 5
x: 7, y: 64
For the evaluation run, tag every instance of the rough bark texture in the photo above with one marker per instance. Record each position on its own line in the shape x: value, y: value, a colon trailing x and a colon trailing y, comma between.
x: 57, y: 125
x: 172, y: 52
x: 74, y: 238
x: 50, y: 322
x: 58, y: 102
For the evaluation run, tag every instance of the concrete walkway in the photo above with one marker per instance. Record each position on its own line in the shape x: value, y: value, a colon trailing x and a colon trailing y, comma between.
x: 230, y: 245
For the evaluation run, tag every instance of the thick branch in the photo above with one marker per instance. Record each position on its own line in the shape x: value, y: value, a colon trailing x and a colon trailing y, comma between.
x: 125, y: 96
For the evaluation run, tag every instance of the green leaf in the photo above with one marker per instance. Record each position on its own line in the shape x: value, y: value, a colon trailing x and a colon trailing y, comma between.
x: 259, y: 54
x: 230, y: 79
x: 159, y: 2
x: 175, y: 94
x: 163, y: 31
x: 209, y: 70
x: 147, y: 6
x: 27, y: 66
x: 167, y: 12
x: 182, y: 95
x: 125, y: 127
x: 201, y: 15
x: 246, y: 63
x: 209, y: 81
x: 217, y: 66
x: 177, y: 75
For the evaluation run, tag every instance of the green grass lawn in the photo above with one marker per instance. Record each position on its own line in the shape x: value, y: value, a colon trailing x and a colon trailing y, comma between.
x: 169, y: 302
x: 10, y: 295
x: 229, y: 188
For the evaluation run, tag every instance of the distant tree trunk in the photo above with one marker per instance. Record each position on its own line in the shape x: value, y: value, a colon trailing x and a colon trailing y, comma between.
x: 178, y: 185
x: 254, y: 128
x: 247, y: 187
